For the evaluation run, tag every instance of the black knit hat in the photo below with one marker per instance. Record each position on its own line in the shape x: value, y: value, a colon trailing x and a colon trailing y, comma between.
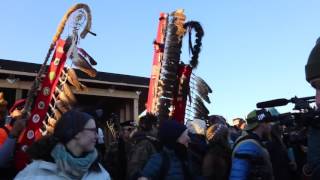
x: 170, y: 131
x: 127, y: 123
x: 146, y: 121
x: 312, y: 67
x: 70, y: 124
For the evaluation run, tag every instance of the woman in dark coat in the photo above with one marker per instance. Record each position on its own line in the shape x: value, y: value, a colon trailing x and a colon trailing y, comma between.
x: 217, y: 161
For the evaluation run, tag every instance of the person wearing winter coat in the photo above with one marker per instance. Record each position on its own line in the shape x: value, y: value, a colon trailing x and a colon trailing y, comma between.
x: 69, y: 153
x: 198, y: 146
x: 217, y: 161
x: 250, y: 158
x: 172, y: 162
x: 144, y: 143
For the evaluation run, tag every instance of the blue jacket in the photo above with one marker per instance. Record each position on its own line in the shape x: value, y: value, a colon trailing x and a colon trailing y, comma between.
x: 6, y: 151
x: 153, y: 166
x: 247, y: 156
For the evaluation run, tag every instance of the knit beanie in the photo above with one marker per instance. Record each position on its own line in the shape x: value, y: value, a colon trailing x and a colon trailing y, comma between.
x: 312, y: 67
x: 70, y: 124
x: 170, y: 131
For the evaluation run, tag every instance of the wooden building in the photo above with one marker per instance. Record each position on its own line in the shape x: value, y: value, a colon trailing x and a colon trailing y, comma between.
x: 124, y: 95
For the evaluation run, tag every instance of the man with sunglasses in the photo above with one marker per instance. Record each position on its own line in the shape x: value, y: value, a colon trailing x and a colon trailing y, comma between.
x: 312, y: 70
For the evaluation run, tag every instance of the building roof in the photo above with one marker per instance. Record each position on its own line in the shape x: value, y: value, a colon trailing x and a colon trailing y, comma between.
x: 31, y: 69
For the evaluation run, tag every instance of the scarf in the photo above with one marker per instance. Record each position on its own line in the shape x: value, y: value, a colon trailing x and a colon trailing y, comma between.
x: 75, y: 167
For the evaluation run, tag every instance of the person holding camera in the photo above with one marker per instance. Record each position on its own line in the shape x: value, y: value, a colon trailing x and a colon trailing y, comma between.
x: 250, y: 158
x: 312, y: 70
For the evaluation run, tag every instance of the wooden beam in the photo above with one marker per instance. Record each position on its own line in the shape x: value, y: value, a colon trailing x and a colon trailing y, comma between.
x: 108, y: 93
x: 91, y: 91
x: 80, y: 79
x: 18, y: 94
x: 128, y: 108
x: 136, y: 109
x: 17, y: 85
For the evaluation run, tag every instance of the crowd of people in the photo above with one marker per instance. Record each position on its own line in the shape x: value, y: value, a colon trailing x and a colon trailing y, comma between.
x: 256, y: 147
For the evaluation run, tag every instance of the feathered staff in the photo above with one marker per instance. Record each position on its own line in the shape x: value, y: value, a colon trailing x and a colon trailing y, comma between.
x: 52, y: 86
x: 169, y: 71
x: 200, y: 91
x: 171, y: 91
x: 185, y: 70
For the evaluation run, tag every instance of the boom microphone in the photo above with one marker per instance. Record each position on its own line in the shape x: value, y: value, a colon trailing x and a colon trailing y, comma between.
x: 273, y: 103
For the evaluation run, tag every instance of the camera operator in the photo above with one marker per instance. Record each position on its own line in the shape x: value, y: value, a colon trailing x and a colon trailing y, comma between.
x: 312, y: 70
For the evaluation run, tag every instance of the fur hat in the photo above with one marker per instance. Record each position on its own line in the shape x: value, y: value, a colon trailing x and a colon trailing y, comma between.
x: 216, y: 132
x: 197, y: 126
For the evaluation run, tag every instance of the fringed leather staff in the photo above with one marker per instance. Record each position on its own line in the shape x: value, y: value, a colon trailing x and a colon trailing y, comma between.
x: 51, y: 84
x: 32, y: 93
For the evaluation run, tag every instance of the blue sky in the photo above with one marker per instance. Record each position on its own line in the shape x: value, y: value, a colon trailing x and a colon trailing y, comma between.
x: 252, y: 50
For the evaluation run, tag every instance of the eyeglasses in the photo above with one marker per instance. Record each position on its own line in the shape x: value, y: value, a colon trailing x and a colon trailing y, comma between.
x: 95, y: 130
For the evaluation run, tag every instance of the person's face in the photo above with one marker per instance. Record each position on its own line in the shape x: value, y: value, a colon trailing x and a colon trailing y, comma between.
x: 184, y: 138
x: 87, y: 138
x: 126, y: 131
x: 318, y: 98
x: 154, y: 130
x: 266, y: 128
x: 242, y: 126
x: 16, y: 113
x: 315, y: 83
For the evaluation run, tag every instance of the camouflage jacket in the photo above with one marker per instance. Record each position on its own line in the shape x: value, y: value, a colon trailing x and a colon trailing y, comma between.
x: 143, y: 146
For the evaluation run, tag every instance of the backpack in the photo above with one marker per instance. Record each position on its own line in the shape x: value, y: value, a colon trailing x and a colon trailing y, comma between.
x: 258, y: 170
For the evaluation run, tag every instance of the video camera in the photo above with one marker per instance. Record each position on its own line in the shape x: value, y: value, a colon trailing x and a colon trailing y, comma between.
x: 304, y: 114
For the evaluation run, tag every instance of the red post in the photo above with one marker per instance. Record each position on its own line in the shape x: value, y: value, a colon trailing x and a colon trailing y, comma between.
x: 38, y: 114
x: 156, y: 65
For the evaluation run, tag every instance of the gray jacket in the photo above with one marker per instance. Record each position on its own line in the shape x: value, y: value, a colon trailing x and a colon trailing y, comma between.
x: 40, y: 170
